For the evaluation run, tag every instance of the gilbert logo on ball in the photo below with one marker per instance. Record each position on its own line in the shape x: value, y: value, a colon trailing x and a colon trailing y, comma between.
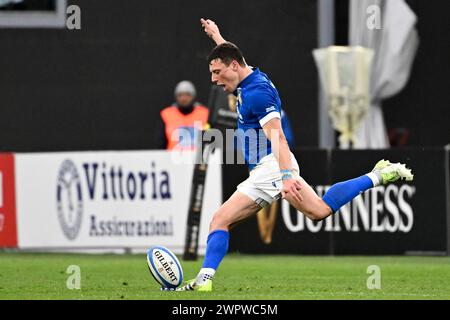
x: 69, y: 199
x: 164, y: 267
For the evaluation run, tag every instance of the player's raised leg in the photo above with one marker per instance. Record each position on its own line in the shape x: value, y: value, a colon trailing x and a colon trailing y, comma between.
x: 237, y: 208
x: 339, y: 194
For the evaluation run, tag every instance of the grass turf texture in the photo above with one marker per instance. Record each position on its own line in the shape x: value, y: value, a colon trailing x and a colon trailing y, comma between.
x: 43, y: 276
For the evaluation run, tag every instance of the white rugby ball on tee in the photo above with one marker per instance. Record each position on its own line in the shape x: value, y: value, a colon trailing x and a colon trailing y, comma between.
x: 164, y: 267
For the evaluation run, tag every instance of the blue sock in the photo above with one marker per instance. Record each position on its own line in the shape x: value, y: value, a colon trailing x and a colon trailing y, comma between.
x: 216, y: 248
x: 343, y: 192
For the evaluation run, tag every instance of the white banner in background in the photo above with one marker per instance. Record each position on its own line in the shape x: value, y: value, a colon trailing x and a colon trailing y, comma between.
x: 114, y: 199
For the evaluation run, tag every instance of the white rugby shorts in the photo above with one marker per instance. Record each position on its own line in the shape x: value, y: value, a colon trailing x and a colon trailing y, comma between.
x: 264, y: 183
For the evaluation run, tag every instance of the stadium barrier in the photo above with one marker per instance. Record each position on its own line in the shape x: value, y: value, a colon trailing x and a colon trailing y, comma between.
x: 100, y: 200
x: 135, y: 199
x: 401, y: 218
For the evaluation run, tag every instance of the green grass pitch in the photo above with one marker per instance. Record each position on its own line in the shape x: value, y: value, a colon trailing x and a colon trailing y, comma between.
x: 43, y: 276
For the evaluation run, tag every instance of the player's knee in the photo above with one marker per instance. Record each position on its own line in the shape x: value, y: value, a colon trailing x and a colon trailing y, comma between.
x: 315, y: 216
x: 218, y: 222
x: 320, y: 212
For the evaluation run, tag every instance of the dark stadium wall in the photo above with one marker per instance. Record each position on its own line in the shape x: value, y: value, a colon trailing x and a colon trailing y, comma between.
x: 422, y: 107
x: 424, y: 104
x: 102, y: 87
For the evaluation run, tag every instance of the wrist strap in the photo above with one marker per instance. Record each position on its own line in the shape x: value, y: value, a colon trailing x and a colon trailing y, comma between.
x: 286, y: 174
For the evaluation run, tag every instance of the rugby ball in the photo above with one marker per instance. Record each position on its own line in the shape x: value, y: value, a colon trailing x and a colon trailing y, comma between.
x: 164, y: 267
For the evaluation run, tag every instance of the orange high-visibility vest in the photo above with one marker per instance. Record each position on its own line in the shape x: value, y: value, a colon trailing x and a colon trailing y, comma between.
x: 174, y: 121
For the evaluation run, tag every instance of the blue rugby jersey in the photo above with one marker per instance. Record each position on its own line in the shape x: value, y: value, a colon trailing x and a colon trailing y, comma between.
x: 257, y: 103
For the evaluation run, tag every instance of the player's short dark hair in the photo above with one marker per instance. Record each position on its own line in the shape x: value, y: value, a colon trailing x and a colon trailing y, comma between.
x: 227, y: 52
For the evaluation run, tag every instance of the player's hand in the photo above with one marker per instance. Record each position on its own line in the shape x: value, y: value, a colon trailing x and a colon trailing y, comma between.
x: 212, y: 30
x: 292, y: 190
x: 210, y: 27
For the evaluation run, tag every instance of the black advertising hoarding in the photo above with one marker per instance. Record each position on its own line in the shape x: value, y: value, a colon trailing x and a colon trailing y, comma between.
x: 401, y: 218
x: 404, y: 217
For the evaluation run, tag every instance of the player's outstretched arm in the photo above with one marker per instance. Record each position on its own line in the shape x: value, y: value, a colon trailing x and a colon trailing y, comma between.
x: 212, y: 30
x: 280, y: 149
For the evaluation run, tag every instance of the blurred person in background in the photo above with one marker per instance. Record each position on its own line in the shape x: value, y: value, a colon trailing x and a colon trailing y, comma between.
x: 186, y: 114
